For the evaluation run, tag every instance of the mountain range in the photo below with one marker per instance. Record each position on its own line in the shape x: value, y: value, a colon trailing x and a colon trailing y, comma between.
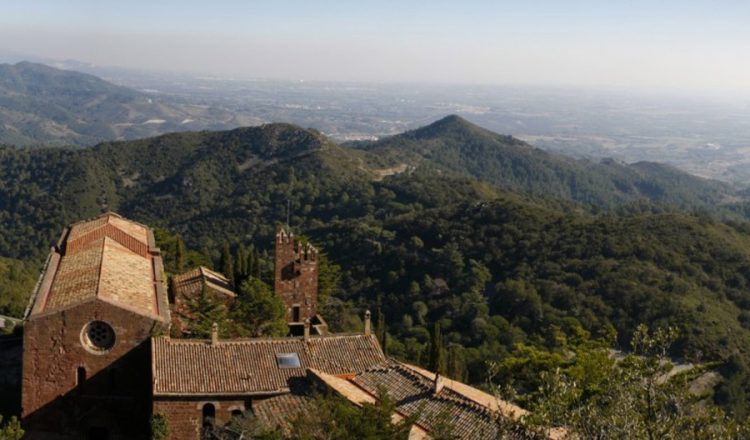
x: 183, y: 179
x: 500, y: 242
x: 42, y: 105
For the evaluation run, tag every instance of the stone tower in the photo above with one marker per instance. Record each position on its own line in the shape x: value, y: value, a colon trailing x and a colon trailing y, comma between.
x: 296, y: 280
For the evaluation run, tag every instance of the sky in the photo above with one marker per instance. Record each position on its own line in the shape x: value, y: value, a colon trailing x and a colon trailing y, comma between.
x: 701, y: 46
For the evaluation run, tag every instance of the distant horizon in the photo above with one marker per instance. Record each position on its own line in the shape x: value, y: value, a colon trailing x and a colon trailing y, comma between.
x: 726, y: 97
x: 689, y: 46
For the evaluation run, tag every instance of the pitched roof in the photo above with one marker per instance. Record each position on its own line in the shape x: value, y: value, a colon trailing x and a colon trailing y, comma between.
x: 250, y: 366
x: 465, y: 408
x: 191, y: 282
x: 107, y: 258
x: 282, y: 409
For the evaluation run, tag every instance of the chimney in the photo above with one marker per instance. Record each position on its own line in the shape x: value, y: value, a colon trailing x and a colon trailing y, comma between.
x: 215, y: 334
x: 367, y: 323
x: 307, y: 329
x: 438, y: 384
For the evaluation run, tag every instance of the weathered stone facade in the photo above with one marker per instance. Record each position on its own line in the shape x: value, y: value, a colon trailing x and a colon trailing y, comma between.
x: 69, y: 390
x: 86, y: 357
x: 185, y: 415
x: 296, y: 277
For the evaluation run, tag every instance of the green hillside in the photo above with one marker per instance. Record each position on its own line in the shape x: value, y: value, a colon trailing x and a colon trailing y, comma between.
x: 479, y: 232
x: 453, y: 144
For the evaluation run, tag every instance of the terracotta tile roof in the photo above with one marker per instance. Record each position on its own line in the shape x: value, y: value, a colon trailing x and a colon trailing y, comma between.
x: 135, y: 230
x: 191, y: 283
x: 107, y: 258
x: 249, y: 366
x: 359, y: 396
x: 414, y: 395
x: 281, y: 410
x: 506, y: 408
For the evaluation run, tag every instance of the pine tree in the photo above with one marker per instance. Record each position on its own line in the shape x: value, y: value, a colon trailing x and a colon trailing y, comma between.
x: 258, y: 311
x: 227, y: 265
x: 204, y: 311
x: 437, y: 352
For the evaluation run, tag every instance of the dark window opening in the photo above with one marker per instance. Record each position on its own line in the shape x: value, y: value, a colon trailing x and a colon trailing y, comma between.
x: 209, y: 415
x: 236, y: 413
x: 295, y: 314
x: 287, y: 272
x: 80, y: 376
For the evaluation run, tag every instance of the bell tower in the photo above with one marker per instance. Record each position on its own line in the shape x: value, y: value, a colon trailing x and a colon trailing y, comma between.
x: 296, y: 278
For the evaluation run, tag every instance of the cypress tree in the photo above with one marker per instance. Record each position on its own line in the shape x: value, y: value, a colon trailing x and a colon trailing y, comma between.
x: 250, y: 261
x: 437, y: 352
x: 227, y: 265
x: 382, y: 332
x: 256, y: 264
x: 180, y: 255
x: 240, y: 266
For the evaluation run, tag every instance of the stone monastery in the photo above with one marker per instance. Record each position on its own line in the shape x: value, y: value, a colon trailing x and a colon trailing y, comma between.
x: 95, y: 366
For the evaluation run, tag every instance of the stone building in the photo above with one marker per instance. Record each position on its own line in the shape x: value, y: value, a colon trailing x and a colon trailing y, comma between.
x: 204, y: 383
x: 94, y: 366
x: 87, y: 331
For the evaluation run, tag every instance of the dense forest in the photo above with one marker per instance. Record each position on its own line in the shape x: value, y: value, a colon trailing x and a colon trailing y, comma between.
x: 449, y: 230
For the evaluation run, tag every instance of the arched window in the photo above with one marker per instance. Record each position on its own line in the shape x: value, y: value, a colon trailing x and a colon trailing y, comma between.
x: 209, y: 415
x: 236, y: 413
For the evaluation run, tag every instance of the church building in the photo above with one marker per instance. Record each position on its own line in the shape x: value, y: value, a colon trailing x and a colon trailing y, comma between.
x: 97, y: 363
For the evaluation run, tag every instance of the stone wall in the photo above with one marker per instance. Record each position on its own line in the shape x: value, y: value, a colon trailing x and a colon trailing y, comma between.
x: 184, y: 415
x: 71, y: 389
x: 296, y: 277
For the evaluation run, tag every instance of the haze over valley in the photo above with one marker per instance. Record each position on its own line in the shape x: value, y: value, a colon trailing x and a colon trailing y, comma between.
x: 705, y: 136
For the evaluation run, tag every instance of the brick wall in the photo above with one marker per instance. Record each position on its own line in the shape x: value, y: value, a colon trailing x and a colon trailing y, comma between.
x: 184, y: 415
x: 115, y: 392
x: 296, y: 277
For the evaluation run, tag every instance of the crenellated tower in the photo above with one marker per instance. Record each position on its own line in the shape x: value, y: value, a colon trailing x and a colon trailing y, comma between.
x: 296, y: 280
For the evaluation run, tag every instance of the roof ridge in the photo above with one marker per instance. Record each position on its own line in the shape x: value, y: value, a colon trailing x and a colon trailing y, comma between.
x: 315, y: 338
x: 463, y: 401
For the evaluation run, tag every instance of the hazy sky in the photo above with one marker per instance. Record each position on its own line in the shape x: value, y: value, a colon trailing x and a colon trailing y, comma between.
x: 693, y: 45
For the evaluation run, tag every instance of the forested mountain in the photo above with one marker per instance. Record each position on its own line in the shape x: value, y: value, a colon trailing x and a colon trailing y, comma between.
x: 498, y: 242
x: 41, y: 105
x: 238, y: 182
x: 455, y: 145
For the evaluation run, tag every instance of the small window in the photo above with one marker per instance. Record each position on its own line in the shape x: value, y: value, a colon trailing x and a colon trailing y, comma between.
x: 80, y: 376
x: 209, y: 415
x: 295, y: 313
x: 288, y: 360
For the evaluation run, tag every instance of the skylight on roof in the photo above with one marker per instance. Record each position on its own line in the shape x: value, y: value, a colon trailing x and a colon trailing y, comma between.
x: 287, y: 360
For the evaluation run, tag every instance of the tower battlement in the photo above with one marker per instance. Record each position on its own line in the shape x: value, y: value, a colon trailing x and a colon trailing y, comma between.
x: 296, y: 276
